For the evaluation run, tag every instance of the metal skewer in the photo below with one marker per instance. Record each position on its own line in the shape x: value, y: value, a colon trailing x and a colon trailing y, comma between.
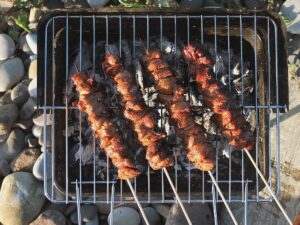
x: 177, y: 196
x: 222, y: 197
x: 138, y: 202
x: 268, y: 187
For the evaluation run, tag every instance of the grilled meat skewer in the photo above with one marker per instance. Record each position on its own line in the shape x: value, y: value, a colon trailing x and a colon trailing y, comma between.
x: 200, y: 152
x: 141, y: 116
x: 92, y: 102
x: 228, y: 115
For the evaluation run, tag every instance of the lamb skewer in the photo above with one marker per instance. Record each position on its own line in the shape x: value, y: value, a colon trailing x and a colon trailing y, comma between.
x: 229, y: 118
x: 135, y: 110
x: 171, y: 94
x: 142, y: 118
x: 92, y: 102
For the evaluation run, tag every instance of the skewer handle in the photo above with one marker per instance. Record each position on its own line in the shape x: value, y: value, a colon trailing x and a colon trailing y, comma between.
x: 137, y: 202
x: 268, y: 187
x: 177, y: 197
x: 222, y: 197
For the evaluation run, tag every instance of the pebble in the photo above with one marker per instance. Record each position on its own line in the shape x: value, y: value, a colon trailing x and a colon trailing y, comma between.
x: 75, y: 4
x: 97, y: 3
x: 31, y: 39
x: 38, y: 168
x: 23, y: 124
x: 19, y: 94
x: 191, y: 3
x: 8, y: 46
x: 95, y: 221
x: 292, y: 58
x: 8, y: 115
x: 25, y: 160
x: 35, y: 14
x: 4, y: 168
x: 37, y: 131
x: 56, y: 206
x: 21, y: 198
x: 50, y: 217
x: 291, y: 10
x: 71, y: 208
x: 162, y: 209
x: 88, y: 213
x: 48, y: 137
x: 33, y: 142
x: 12, y: 146
x: 32, y: 26
x: 38, y: 119
x: 103, y: 209
x: 32, y: 88
x: 24, y: 45
x: 27, y: 110
x: 32, y: 71
x: 11, y: 72
x: 152, y: 215
x: 5, y: 99
x: 125, y: 214
x: 199, y: 214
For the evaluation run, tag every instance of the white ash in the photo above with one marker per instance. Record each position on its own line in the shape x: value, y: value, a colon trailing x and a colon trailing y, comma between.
x: 139, y: 75
x: 86, y: 153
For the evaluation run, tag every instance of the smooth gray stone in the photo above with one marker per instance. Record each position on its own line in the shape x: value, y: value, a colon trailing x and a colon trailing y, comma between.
x: 8, y: 115
x: 21, y: 198
x: 199, y: 214
x: 19, y: 94
x: 50, y: 217
x: 31, y: 39
x: 125, y: 214
x: 25, y: 160
x: 11, y: 72
x: 38, y: 168
x: 8, y: 46
x: 97, y: 3
x: 12, y: 146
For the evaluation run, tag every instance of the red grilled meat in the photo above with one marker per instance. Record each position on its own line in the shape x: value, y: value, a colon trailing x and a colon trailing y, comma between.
x: 91, y: 101
x: 200, y: 152
x: 141, y: 116
x: 228, y: 115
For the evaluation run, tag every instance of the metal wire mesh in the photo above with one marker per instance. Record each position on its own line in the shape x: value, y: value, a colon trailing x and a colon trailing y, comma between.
x: 195, y: 26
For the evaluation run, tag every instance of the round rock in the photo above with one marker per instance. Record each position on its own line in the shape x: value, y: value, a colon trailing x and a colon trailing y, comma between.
x: 31, y: 39
x: 95, y: 221
x: 32, y: 71
x: 24, y: 45
x: 21, y: 198
x: 11, y: 72
x: 88, y: 213
x: 97, y: 3
x: 6, y: 98
x: 38, y: 168
x: 12, y: 146
x: 152, y: 215
x: 38, y: 119
x: 35, y: 14
x: 7, y: 46
x: 8, y: 115
x: 25, y: 160
x: 19, y: 94
x: 199, y: 214
x: 50, y: 217
x: 27, y: 109
x: 37, y: 131
x: 4, y: 168
x: 162, y: 209
x: 125, y: 215
x: 32, y: 88
x: 23, y: 124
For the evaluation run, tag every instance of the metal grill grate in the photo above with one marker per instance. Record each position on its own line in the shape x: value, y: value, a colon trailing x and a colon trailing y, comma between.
x: 241, y: 34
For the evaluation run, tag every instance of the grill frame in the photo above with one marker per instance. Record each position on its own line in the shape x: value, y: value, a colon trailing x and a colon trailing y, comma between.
x: 281, y: 102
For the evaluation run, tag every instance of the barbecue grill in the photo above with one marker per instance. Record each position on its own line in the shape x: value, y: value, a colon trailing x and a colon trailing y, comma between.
x: 252, y: 38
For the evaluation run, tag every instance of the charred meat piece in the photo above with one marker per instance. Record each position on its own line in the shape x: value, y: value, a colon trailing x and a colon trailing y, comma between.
x: 92, y: 102
x: 200, y: 152
x: 228, y: 115
x: 135, y: 110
